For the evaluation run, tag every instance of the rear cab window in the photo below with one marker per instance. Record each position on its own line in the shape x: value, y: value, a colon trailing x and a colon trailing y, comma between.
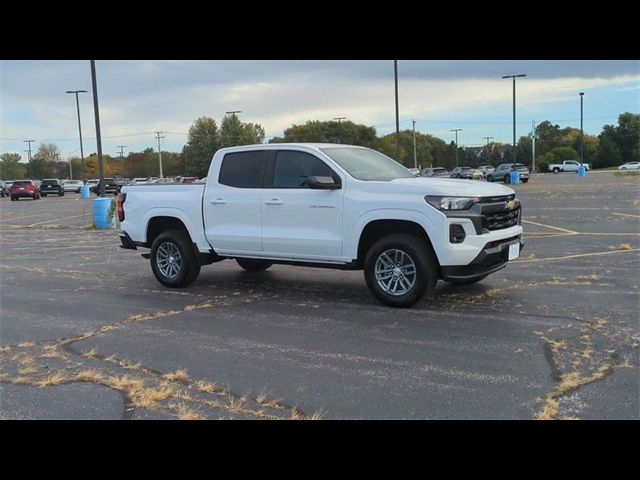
x: 242, y: 169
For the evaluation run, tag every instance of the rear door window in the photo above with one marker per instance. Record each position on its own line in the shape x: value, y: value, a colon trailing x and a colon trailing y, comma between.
x: 242, y: 169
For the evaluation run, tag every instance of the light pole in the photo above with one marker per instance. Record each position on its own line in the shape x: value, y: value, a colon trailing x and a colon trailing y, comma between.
x: 339, y: 119
x: 581, y: 131
x: 79, y: 129
x: 456, y: 130
x: 415, y: 153
x: 96, y: 111
x: 514, y: 110
x: 395, y: 72
x: 159, y: 152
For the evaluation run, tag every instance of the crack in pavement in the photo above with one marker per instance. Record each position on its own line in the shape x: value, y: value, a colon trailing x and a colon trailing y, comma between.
x: 49, y: 363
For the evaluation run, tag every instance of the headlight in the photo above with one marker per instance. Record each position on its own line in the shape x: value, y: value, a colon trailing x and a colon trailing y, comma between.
x: 450, y: 203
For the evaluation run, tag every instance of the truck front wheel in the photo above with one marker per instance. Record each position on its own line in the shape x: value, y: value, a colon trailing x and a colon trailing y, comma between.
x: 556, y: 170
x: 173, y: 260
x: 253, y: 265
x: 400, y: 269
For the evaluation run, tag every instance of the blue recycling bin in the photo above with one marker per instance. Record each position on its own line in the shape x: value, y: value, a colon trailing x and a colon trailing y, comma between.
x: 515, y: 177
x: 101, y: 208
x: 582, y: 171
x: 85, y: 193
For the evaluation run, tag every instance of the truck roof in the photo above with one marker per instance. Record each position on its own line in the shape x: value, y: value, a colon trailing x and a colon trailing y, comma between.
x: 263, y: 146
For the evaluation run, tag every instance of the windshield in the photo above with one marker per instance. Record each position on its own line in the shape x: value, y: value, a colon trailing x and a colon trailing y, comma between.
x: 366, y: 164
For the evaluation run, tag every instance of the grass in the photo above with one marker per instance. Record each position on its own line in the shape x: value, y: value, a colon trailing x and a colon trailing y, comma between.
x: 21, y: 381
x: 622, y: 246
x: 29, y: 370
x: 93, y: 376
x: 125, y: 383
x: 550, y: 409
x: 90, y: 354
x: 51, y: 351
x: 149, y: 397
x: 130, y: 365
x: 51, y: 380
x: 177, y: 376
x: 5, y: 349
x: 26, y: 344
x: 627, y: 174
x: 204, y: 386
x: 186, y: 413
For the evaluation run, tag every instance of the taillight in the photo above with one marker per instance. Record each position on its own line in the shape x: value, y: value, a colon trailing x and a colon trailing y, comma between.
x: 121, y: 198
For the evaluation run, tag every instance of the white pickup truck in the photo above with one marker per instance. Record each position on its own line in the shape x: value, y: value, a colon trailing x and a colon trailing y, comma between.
x: 325, y: 205
x: 566, y: 166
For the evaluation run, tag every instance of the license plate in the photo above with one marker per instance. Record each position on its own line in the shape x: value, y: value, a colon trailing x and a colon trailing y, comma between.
x: 514, y: 251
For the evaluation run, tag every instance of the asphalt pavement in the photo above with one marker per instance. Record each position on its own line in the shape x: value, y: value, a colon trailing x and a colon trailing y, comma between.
x: 87, y: 332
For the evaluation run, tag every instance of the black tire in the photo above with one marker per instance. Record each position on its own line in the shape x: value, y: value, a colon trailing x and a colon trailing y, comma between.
x: 189, y: 268
x: 426, y: 268
x: 253, y: 265
x: 556, y: 171
x: 61, y: 194
x: 466, y: 282
x: 623, y: 168
x: 524, y: 180
x: 489, y: 178
x: 44, y: 194
x: 13, y: 199
x: 507, y: 179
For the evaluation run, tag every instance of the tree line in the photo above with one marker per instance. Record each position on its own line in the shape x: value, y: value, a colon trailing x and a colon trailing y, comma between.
x: 615, y: 144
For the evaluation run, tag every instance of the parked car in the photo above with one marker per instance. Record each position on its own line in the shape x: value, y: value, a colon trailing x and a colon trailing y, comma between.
x: 110, y: 187
x: 51, y: 185
x: 24, y: 188
x: 188, y: 179
x: 4, y: 190
x: 162, y: 181
x: 72, y: 185
x: 334, y: 206
x: 467, y: 173
x: 434, y: 172
x: 487, y: 169
x: 566, y: 166
x: 503, y: 173
x: 630, y: 166
x: 415, y: 171
x: 139, y: 181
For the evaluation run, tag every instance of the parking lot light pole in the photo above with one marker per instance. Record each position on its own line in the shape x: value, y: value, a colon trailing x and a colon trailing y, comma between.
x: 79, y: 129
x: 581, y: 131
x: 395, y: 72
x: 456, y: 130
x: 514, y: 110
x: 96, y: 111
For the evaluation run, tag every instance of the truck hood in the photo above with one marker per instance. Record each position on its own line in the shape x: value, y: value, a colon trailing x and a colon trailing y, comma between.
x: 452, y: 187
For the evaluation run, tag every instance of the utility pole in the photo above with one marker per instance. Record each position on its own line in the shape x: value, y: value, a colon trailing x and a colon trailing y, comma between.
x: 30, y: 166
x: 415, y: 153
x: 581, y: 131
x: 395, y: 71
x: 94, y: 84
x: 456, y: 130
x: 121, y: 147
x: 533, y: 146
x: 70, y: 170
x: 159, y: 152
x: 339, y: 119
x: 487, y: 139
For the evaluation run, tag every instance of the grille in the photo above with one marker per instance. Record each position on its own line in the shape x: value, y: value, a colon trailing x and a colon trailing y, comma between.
x: 499, y: 220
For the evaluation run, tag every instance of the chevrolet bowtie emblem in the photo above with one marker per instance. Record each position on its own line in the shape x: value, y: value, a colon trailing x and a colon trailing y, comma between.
x: 511, y: 205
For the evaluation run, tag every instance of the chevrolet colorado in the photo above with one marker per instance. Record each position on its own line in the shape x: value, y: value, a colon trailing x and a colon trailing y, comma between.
x: 325, y: 205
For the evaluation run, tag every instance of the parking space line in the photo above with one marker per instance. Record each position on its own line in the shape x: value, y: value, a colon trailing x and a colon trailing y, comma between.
x: 566, y: 257
x: 54, y: 220
x: 28, y: 216
x: 626, y: 215
x: 550, y: 226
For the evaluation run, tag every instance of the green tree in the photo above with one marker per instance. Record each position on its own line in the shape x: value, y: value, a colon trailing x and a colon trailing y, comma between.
x: 11, y: 168
x: 234, y: 132
x: 203, y: 141
x: 348, y: 133
x: 621, y: 143
x: 429, y: 149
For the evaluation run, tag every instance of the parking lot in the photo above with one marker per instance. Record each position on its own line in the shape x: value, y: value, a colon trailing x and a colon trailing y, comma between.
x: 87, y: 332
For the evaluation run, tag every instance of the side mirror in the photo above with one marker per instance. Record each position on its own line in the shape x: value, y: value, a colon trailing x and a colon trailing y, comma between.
x: 323, y: 183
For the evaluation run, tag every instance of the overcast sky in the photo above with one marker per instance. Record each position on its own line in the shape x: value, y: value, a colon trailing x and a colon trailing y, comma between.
x: 138, y: 97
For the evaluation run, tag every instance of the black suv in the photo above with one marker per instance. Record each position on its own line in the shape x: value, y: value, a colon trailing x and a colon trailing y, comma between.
x: 503, y: 173
x: 51, y: 185
x: 110, y: 187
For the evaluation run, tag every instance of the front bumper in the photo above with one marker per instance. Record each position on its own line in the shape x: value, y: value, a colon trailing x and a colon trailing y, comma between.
x: 492, y: 258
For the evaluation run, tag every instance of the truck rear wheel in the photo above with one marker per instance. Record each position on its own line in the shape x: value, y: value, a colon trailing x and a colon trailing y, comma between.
x: 253, y: 265
x: 400, y: 269
x: 556, y: 170
x: 173, y: 261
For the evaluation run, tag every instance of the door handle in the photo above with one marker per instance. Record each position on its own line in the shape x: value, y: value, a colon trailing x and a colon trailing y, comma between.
x: 218, y: 201
x: 273, y: 201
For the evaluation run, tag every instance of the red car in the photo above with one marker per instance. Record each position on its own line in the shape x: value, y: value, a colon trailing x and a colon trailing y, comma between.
x: 24, y: 188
